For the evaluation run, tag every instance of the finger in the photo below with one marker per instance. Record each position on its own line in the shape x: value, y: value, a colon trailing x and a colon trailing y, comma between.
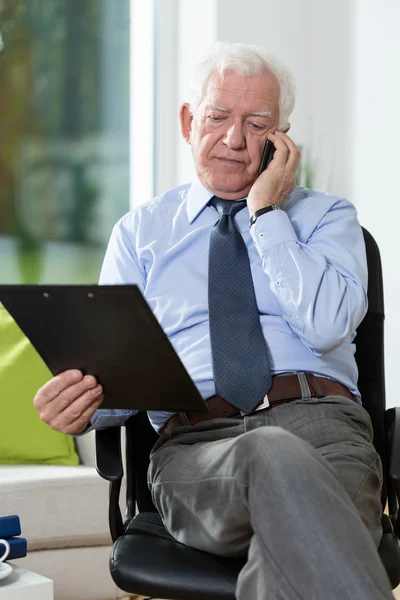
x: 79, y: 406
x: 74, y: 392
x: 82, y: 422
x: 293, y: 156
x: 55, y: 387
x: 80, y: 425
x: 281, y: 148
x: 288, y: 141
x: 77, y: 416
x: 67, y: 397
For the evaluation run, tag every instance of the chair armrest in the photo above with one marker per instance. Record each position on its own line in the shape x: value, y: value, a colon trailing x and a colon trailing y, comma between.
x: 108, y: 453
x: 109, y: 466
x: 392, y: 424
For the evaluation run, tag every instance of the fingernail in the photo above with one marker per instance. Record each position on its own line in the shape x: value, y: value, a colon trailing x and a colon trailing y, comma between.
x: 76, y: 375
x: 97, y: 390
x: 90, y: 380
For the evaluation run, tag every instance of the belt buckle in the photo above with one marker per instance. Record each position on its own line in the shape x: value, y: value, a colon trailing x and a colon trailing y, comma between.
x: 264, y: 404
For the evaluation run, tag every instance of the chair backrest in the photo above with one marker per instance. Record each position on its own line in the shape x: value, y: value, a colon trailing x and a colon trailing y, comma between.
x: 370, y: 352
x: 369, y: 355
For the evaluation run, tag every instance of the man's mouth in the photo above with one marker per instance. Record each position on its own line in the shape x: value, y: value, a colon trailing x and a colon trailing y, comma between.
x: 230, y: 161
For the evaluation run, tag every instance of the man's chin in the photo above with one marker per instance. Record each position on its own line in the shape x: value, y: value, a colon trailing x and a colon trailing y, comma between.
x: 228, y: 187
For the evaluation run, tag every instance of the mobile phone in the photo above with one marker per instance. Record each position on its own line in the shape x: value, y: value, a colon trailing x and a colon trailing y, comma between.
x: 267, y: 156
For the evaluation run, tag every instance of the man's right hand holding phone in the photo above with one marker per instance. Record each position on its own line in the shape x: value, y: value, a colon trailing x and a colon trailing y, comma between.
x: 68, y: 401
x: 278, y: 181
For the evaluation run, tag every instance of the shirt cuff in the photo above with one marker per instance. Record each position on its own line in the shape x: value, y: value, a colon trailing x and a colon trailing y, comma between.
x: 271, y: 229
x: 102, y: 419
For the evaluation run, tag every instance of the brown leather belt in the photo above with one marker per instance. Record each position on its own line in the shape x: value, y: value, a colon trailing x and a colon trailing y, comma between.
x: 284, y: 389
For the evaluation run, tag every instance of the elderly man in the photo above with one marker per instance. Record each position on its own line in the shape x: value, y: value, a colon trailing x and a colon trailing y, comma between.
x: 260, y: 287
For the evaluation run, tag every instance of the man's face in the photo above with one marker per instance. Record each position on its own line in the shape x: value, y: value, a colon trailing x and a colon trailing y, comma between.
x: 228, y: 130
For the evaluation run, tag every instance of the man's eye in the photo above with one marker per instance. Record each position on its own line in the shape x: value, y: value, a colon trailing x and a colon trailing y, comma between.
x: 215, y: 119
x: 257, y: 126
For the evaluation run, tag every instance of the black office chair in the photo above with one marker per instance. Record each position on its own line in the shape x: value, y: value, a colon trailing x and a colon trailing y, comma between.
x: 146, y: 560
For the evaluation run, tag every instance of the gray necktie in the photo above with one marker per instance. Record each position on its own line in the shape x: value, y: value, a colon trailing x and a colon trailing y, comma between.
x: 241, y: 365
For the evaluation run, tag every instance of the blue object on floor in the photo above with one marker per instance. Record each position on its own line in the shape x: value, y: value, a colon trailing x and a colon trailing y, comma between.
x: 10, y: 526
x: 18, y: 547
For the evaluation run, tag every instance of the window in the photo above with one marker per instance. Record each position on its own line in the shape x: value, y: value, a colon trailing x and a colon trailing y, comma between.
x: 64, y: 136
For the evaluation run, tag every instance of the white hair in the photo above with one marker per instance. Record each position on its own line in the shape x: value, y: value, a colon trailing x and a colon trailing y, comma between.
x: 245, y: 60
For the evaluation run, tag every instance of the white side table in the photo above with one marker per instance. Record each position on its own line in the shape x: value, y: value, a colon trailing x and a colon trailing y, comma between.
x: 25, y: 585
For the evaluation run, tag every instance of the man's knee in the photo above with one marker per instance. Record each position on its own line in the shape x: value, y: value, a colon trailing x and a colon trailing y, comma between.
x: 274, y: 446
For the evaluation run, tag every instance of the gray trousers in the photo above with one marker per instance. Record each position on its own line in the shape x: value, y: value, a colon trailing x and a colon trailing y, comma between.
x: 295, y: 488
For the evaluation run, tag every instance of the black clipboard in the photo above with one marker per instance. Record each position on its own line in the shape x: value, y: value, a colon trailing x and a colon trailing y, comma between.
x: 109, y: 332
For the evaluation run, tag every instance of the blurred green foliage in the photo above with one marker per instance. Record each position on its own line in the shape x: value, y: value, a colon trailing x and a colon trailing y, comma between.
x: 64, y: 85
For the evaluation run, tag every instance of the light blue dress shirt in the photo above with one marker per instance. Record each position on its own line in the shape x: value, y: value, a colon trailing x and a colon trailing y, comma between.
x: 309, y: 269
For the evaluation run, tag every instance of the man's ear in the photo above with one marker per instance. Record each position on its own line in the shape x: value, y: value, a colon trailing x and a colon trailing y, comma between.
x: 186, y: 119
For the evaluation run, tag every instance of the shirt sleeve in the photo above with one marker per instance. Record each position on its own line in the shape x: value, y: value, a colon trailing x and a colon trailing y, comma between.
x: 120, y: 266
x: 321, y: 285
x: 104, y: 418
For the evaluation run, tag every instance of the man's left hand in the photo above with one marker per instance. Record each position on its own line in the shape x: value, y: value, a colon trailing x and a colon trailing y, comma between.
x: 278, y: 181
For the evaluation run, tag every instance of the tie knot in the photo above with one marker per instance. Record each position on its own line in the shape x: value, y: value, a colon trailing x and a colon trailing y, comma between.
x: 227, y: 207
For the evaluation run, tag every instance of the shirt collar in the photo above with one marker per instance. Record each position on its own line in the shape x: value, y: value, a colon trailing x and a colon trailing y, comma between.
x: 197, y: 199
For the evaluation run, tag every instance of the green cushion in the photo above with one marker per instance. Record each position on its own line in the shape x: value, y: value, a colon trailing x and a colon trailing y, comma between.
x: 24, y: 438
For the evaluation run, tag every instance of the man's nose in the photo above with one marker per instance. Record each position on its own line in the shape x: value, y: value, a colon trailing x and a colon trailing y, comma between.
x: 234, y: 137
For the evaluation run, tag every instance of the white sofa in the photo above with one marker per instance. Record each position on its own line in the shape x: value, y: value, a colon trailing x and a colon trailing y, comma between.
x: 63, y: 513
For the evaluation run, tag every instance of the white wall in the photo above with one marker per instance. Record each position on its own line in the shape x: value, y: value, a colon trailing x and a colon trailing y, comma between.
x: 376, y: 154
x: 312, y: 37
x: 166, y: 95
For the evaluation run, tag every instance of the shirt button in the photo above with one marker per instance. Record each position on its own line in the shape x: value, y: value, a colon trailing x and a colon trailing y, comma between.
x: 261, y: 235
